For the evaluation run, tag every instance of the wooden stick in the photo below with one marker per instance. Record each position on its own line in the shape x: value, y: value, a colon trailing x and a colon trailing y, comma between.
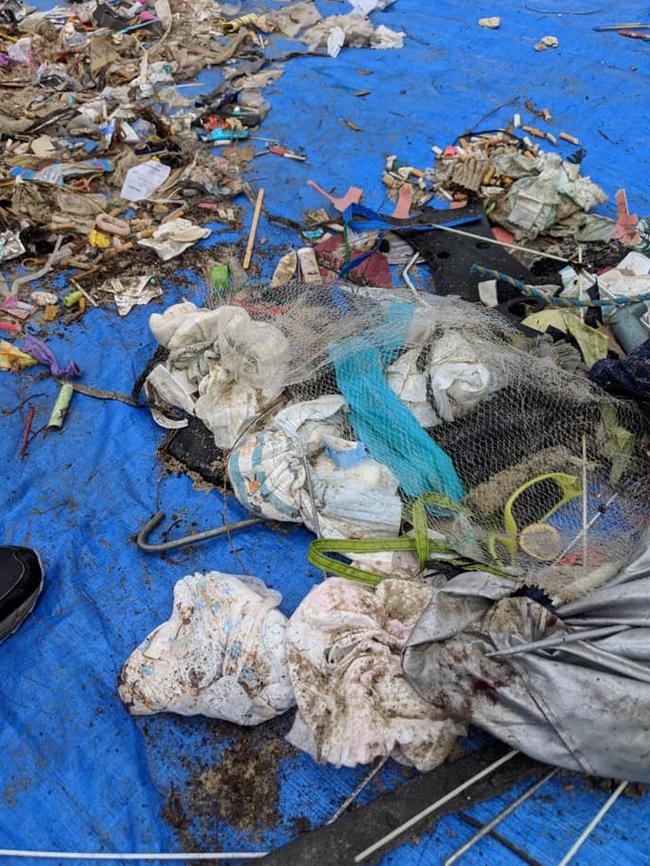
x: 253, y: 231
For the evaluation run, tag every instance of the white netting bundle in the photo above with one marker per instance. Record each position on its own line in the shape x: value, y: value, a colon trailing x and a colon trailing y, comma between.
x: 366, y: 413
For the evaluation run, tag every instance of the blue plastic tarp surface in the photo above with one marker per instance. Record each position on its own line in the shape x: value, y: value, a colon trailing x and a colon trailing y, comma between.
x: 76, y: 771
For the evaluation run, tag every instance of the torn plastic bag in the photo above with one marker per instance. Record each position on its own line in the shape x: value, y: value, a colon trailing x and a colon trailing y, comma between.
x: 365, y: 7
x: 221, y: 654
x: 290, y: 20
x: 51, y: 205
x: 582, y: 704
x: 162, y: 389
x: 255, y: 353
x: 384, y: 38
x: 354, y: 705
x: 356, y: 31
x: 354, y: 495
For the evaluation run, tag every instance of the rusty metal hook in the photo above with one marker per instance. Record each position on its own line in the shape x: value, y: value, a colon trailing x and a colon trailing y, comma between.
x: 150, y: 525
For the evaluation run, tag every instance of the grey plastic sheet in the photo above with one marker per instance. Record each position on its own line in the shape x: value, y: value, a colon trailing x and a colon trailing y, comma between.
x: 584, y: 705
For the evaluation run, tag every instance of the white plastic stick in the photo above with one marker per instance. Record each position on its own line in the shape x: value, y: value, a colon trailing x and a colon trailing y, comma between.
x: 102, y: 855
x: 432, y: 808
x: 592, y: 825
x: 362, y: 784
x: 503, y: 814
x: 585, y: 515
x: 498, y: 243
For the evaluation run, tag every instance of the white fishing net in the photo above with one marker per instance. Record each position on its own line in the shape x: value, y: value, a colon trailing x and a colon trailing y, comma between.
x: 367, y: 413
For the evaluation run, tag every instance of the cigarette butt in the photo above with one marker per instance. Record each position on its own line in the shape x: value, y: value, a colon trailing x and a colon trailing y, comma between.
x: 528, y: 142
x: 417, y: 172
x: 533, y: 130
x: 445, y: 194
x: 516, y: 122
x: 61, y: 405
x: 82, y: 304
x: 546, y: 114
x: 437, y: 150
x: 551, y: 138
x: 570, y: 138
x: 489, y: 174
x: 463, y: 143
x: 147, y: 233
x: 115, y: 251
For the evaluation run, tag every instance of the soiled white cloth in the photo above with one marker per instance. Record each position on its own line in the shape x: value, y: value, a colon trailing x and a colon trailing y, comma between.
x: 220, y: 654
x: 354, y: 704
x: 354, y: 495
x: 229, y: 365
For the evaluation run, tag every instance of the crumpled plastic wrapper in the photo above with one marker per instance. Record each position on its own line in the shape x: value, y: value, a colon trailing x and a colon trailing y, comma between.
x: 354, y: 704
x: 174, y: 237
x: 358, y: 32
x: 534, y: 204
x: 455, y: 375
x: 221, y: 654
x: 132, y: 291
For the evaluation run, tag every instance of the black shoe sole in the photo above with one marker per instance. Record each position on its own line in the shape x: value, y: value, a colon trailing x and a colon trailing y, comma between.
x: 13, y: 623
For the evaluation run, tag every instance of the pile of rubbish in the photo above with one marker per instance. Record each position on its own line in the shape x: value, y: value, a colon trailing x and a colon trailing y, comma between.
x: 475, y: 470
x: 102, y: 153
x: 453, y: 397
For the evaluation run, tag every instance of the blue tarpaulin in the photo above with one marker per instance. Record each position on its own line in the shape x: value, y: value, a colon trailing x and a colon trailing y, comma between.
x: 76, y: 771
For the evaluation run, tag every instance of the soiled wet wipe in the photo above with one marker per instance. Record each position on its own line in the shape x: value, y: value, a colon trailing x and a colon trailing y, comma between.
x: 354, y: 703
x: 220, y: 654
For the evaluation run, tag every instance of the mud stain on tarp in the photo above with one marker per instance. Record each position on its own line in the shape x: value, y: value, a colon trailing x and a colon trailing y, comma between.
x: 243, y: 789
x: 238, y: 785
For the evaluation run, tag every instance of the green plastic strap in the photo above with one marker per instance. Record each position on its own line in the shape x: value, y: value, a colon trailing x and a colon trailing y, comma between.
x: 417, y: 515
x: 319, y: 554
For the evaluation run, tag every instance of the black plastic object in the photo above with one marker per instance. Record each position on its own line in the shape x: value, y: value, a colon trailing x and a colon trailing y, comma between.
x: 21, y: 582
x: 521, y: 421
x: 103, y: 16
x: 193, y: 447
x: 337, y: 844
x: 517, y: 308
x: 450, y: 256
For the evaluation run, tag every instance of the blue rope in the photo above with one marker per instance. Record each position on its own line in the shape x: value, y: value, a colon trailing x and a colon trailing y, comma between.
x: 616, y: 300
